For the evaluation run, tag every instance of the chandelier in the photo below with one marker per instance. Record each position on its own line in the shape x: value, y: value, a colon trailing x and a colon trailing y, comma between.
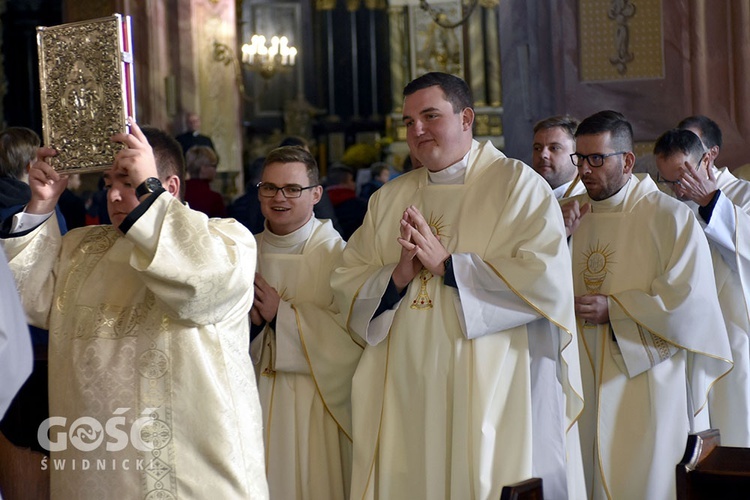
x: 268, y: 60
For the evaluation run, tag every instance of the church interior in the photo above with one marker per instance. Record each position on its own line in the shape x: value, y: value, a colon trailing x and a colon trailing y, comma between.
x: 656, y: 62
x: 332, y: 72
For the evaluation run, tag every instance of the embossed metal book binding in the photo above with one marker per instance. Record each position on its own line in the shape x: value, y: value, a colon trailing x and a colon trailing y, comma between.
x: 87, y: 90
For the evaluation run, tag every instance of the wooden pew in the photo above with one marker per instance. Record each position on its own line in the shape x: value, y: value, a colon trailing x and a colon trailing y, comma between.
x: 710, y: 471
x: 531, y: 489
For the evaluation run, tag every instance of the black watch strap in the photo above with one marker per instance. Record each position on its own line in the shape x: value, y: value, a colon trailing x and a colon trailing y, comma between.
x: 150, y: 185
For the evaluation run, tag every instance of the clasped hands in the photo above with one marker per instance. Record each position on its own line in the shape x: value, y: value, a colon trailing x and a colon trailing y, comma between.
x: 265, y: 302
x: 592, y: 308
x: 420, y: 248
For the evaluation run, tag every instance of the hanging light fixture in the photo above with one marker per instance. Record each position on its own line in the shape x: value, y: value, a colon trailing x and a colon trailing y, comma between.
x: 268, y: 60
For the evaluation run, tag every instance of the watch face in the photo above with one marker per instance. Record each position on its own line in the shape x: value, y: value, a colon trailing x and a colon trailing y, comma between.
x: 148, y: 186
x: 152, y: 184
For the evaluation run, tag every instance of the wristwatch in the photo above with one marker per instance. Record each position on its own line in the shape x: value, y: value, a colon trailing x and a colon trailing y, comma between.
x: 148, y: 186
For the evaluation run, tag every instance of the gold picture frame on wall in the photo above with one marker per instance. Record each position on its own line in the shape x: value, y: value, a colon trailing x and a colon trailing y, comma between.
x: 87, y: 90
x: 436, y: 48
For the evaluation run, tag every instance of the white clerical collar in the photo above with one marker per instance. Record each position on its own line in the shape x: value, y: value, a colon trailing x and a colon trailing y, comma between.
x: 454, y: 174
x: 293, y: 239
x: 560, y: 191
x: 613, y: 203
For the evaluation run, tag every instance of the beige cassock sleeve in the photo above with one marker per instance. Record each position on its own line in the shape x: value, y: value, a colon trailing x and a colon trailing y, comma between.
x: 332, y: 356
x: 33, y: 259
x: 202, y: 268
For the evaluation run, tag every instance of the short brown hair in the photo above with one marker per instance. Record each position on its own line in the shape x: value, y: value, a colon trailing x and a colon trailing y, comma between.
x: 168, y: 155
x: 565, y: 122
x: 295, y: 154
x: 455, y: 89
x: 18, y: 147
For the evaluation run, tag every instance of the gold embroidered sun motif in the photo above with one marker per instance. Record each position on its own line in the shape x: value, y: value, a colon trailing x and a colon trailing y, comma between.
x: 437, y: 225
x: 597, y: 261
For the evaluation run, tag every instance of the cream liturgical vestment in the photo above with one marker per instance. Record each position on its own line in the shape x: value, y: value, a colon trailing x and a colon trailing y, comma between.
x: 305, y: 367
x: 474, y: 386
x: 152, y: 392
x: 648, y: 372
x: 728, y: 233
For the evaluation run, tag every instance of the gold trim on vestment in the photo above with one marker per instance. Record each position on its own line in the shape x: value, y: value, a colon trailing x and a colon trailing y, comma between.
x: 268, y: 430
x: 711, y: 385
x: 312, y: 373
x: 562, y: 347
x: 380, y: 420
x: 598, y: 413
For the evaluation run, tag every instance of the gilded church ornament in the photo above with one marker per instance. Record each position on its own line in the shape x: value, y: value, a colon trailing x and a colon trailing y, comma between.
x: 325, y: 4
x: 376, y: 4
x: 596, y: 266
x: 440, y: 17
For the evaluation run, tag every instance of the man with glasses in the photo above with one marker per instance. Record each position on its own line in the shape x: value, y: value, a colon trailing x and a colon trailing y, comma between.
x: 304, y: 357
x: 650, y: 327
x: 721, y: 203
x: 554, y: 141
x: 459, y: 281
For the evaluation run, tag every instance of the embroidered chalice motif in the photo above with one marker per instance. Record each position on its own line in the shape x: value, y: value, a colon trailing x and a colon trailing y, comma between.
x: 596, y: 267
x: 423, y: 300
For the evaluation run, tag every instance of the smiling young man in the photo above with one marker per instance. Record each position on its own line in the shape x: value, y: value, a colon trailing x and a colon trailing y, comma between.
x: 652, y: 337
x: 148, y: 335
x: 721, y: 203
x: 554, y: 141
x: 304, y: 357
x: 459, y: 283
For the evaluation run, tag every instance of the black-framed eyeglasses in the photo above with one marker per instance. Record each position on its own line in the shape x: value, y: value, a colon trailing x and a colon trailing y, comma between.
x: 268, y: 190
x: 595, y: 160
x: 662, y: 180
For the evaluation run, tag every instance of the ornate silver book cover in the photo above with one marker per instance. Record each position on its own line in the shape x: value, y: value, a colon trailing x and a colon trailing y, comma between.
x: 87, y: 90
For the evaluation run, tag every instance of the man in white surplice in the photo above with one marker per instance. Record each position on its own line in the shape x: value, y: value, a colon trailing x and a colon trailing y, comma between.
x: 149, y: 371
x: 721, y: 202
x: 652, y: 337
x: 459, y: 282
x: 304, y: 357
x: 15, y: 343
x: 554, y: 141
